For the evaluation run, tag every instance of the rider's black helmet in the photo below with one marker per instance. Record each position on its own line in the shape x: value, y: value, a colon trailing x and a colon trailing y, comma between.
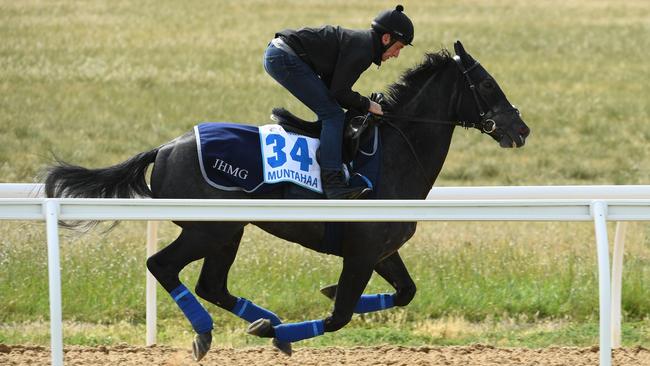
x: 396, y: 23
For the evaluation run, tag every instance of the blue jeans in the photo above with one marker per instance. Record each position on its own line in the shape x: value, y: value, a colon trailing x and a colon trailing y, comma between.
x: 298, y: 78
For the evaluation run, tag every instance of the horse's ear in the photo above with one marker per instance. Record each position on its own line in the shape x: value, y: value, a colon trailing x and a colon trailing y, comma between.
x: 459, y: 49
x: 467, y: 59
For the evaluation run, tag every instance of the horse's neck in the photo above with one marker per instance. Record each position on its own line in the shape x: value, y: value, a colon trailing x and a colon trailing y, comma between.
x: 401, y: 175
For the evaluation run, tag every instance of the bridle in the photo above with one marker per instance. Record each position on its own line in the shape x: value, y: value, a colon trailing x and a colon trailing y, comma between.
x: 486, y: 117
x: 485, y: 124
x: 486, y: 121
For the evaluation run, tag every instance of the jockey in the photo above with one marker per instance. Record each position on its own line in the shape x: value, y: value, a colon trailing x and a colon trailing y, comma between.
x: 319, y: 66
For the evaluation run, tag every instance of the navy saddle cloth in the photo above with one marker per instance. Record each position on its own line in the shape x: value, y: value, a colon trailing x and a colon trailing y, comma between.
x: 230, y: 158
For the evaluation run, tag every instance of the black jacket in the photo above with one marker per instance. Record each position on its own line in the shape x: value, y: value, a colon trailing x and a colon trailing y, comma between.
x: 338, y: 56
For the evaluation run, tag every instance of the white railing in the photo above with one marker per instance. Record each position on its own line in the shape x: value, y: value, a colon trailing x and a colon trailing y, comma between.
x: 561, y: 203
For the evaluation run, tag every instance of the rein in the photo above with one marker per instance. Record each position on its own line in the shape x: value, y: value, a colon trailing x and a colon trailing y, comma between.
x: 485, y: 126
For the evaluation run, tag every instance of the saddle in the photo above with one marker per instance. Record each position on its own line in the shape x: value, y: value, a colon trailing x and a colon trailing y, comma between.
x: 354, y: 133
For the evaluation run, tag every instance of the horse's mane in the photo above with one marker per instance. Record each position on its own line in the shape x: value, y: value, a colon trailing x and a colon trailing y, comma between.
x: 412, y: 79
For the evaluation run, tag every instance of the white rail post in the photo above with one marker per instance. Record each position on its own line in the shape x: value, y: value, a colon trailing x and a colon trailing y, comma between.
x: 617, y: 282
x: 152, y: 247
x: 51, y: 208
x: 599, y: 213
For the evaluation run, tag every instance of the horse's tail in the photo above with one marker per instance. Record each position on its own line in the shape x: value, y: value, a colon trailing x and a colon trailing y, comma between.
x: 123, y: 180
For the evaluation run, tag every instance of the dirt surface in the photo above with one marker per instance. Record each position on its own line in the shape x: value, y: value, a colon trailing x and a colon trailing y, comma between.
x: 357, y: 356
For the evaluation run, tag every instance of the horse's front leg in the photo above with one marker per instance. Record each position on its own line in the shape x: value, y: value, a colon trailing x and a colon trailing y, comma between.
x: 393, y: 270
x: 353, y: 280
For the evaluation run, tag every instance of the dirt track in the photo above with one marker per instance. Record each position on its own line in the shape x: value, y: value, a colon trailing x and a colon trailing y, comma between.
x: 357, y: 356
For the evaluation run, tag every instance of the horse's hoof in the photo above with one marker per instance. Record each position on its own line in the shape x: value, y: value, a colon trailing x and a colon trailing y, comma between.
x: 284, y: 347
x: 201, y: 345
x: 329, y: 291
x: 261, y: 328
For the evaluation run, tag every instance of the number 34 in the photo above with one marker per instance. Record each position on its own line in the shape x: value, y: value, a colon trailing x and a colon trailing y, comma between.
x: 299, y: 152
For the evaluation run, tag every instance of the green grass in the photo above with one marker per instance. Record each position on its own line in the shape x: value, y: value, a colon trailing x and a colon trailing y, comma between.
x: 95, y: 82
x: 475, y: 285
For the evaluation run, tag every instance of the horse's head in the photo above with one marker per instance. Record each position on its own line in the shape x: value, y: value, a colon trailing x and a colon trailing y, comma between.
x: 483, y: 103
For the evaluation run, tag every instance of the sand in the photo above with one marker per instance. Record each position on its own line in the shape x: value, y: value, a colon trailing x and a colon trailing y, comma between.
x: 380, y: 355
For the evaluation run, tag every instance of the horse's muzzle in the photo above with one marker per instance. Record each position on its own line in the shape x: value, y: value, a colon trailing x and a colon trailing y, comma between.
x: 515, y: 136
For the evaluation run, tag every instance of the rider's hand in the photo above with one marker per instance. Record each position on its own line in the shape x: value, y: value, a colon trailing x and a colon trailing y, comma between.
x: 375, y: 108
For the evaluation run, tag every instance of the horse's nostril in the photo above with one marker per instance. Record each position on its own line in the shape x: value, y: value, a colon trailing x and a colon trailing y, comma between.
x: 524, y: 131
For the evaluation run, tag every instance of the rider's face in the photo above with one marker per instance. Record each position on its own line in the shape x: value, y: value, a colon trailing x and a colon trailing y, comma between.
x: 393, y: 50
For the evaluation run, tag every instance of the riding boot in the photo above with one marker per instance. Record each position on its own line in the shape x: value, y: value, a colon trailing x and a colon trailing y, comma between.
x: 335, y: 186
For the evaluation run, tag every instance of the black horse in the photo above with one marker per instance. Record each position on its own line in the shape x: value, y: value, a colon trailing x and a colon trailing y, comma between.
x: 416, y: 140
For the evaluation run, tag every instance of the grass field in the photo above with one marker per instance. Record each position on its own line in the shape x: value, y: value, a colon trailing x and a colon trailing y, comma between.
x: 95, y: 82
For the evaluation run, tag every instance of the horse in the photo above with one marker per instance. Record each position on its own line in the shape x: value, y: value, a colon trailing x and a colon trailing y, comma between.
x: 425, y: 105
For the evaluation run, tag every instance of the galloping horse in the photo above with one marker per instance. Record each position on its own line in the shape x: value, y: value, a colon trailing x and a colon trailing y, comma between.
x: 415, y: 136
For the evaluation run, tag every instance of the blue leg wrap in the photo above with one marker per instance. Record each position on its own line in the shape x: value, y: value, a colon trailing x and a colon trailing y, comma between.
x: 376, y: 302
x: 294, y: 332
x: 194, y: 312
x: 250, y: 312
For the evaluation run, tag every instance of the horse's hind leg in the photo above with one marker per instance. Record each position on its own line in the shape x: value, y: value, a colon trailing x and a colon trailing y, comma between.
x: 393, y: 270
x: 192, y: 244
x: 213, y: 287
x: 354, y: 278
